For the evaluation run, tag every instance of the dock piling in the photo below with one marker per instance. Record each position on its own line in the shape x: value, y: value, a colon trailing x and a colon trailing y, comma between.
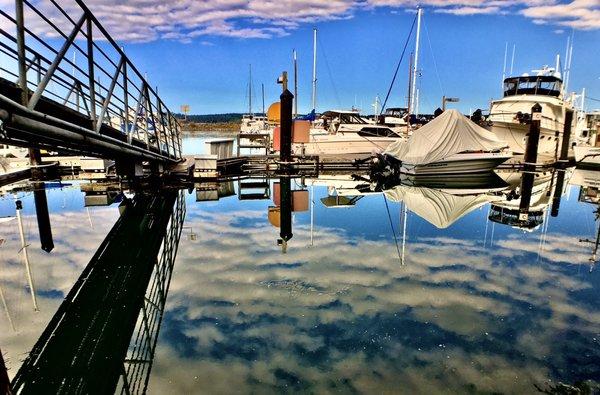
x: 531, y: 149
x: 285, y: 153
x: 564, y: 149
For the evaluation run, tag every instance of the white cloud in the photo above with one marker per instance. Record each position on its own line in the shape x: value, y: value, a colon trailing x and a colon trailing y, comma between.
x: 185, y: 20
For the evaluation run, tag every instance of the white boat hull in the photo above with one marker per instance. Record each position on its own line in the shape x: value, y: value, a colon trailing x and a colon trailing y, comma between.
x: 459, y: 164
x: 587, y: 155
x: 516, y: 134
x: 343, y: 145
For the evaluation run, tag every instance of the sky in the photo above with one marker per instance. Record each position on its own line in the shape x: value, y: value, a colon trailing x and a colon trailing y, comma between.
x: 199, y: 52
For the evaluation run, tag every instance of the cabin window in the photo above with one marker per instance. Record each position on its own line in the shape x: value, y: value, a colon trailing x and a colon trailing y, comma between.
x: 377, y: 132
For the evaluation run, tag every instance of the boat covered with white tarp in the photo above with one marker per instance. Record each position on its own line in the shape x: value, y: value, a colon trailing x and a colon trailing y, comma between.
x: 451, y: 143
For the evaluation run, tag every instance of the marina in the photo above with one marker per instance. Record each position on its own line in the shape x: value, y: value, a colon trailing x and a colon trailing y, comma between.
x: 312, y: 246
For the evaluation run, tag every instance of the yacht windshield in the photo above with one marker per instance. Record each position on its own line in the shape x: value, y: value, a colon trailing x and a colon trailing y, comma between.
x: 532, y: 85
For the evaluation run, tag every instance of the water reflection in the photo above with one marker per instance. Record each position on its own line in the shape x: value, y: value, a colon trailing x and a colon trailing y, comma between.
x: 488, y: 295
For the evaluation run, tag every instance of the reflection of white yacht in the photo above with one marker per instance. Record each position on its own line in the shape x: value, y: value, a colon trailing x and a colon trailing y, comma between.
x: 509, y: 117
x: 347, y: 133
x: 451, y: 143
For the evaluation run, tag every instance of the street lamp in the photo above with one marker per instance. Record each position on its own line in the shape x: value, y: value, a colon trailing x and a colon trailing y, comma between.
x: 448, y: 100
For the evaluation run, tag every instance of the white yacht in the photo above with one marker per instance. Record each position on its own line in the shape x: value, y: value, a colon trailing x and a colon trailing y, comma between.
x: 346, y: 133
x: 509, y: 116
x: 450, y: 144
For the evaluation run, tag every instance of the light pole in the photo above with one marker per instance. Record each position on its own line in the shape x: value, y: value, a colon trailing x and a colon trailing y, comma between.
x: 448, y: 100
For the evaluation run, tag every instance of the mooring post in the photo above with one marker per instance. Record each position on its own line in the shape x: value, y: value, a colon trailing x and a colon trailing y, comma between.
x: 285, y: 152
x: 564, y: 149
x: 533, y: 139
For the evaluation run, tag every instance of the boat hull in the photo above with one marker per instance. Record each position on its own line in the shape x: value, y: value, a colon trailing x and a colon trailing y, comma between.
x: 516, y: 135
x: 587, y: 156
x: 343, y: 145
x: 459, y: 164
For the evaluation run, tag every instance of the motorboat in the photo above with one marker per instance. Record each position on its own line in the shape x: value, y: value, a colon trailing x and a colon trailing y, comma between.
x: 450, y: 144
x: 510, y: 117
x: 347, y: 133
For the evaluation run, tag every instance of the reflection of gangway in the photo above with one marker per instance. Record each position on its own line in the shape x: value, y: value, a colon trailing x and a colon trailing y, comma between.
x: 89, y: 345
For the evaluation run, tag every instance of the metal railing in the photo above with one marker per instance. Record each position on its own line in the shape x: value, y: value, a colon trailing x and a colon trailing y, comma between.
x: 99, y: 82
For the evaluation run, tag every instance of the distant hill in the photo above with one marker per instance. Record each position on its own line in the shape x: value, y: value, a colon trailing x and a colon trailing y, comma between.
x: 213, y: 118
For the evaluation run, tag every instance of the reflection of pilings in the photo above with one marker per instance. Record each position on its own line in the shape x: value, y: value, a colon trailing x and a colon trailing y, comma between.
x: 43, y: 218
x: 84, y: 346
x: 143, y: 343
x: 4, y: 381
x: 526, y: 189
x: 19, y: 207
x: 560, y: 182
x: 285, y: 231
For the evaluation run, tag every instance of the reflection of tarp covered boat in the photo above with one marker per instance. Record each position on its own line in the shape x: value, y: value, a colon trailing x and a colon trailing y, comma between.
x: 439, y: 208
x: 450, y: 143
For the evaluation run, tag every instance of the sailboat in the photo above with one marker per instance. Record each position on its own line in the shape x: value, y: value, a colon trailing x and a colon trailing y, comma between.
x: 252, y: 123
x: 342, y: 132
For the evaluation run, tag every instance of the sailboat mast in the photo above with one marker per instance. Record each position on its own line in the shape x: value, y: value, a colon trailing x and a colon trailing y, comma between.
x: 416, y: 63
x: 314, y: 76
x: 262, y: 86
x: 250, y: 91
x: 295, y: 84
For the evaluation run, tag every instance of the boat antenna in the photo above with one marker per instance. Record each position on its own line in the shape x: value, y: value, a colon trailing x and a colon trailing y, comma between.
x: 387, y: 96
x: 262, y: 86
x: 314, y: 71
x: 250, y: 91
x: 512, y: 60
x: 387, y: 207
x: 416, y: 63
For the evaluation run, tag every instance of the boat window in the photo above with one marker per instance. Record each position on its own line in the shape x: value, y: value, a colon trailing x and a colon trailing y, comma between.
x: 377, y: 132
x: 532, y: 85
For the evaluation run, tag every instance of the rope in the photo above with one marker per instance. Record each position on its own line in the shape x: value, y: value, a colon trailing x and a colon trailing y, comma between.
x: 387, y: 96
x: 437, y: 73
x: 323, y: 52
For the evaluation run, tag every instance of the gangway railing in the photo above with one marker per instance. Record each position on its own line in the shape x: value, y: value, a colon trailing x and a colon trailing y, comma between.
x: 66, y: 84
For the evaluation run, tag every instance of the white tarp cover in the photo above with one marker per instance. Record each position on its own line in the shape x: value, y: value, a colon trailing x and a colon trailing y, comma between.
x: 448, y: 134
x: 440, y: 209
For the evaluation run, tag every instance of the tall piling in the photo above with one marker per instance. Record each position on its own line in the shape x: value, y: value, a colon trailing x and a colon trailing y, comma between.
x: 285, y: 152
x: 560, y: 184
x: 564, y: 149
x: 531, y: 149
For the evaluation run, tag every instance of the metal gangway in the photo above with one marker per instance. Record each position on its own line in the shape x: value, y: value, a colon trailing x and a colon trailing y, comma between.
x: 66, y: 85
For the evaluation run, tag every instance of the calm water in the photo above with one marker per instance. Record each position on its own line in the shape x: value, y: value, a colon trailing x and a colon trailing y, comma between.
x: 414, y: 290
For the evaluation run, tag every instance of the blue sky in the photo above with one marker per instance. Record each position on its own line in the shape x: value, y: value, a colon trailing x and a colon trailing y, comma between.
x: 198, y: 52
